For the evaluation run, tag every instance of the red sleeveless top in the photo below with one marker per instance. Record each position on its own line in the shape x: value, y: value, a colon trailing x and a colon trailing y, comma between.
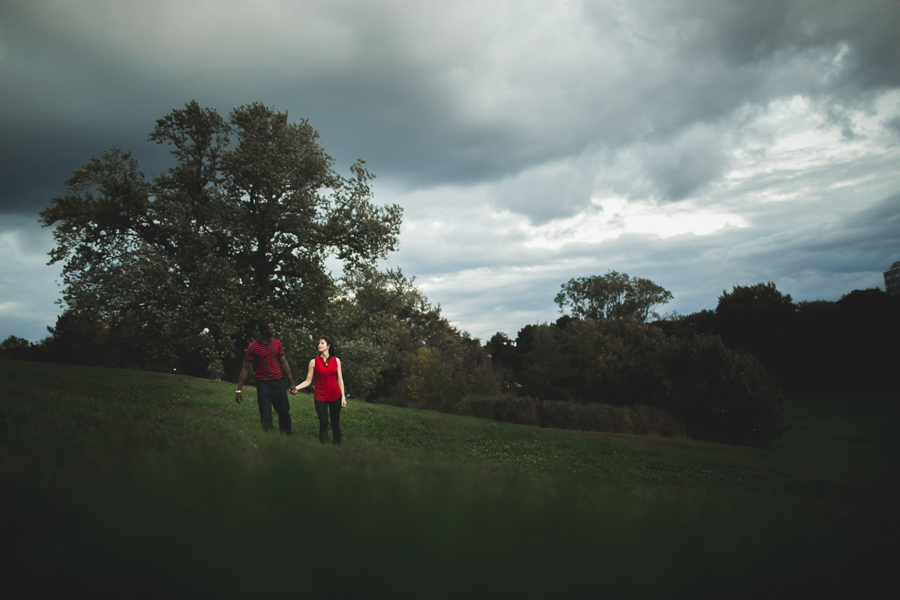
x: 325, y: 385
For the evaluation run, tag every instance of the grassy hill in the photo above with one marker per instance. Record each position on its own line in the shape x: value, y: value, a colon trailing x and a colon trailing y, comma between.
x: 141, y: 484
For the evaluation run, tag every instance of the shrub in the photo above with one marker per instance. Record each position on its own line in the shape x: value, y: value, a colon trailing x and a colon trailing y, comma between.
x: 361, y: 364
x: 561, y: 414
x: 625, y: 360
x: 500, y: 407
x: 722, y: 394
x: 16, y: 348
x: 718, y: 393
x: 429, y: 380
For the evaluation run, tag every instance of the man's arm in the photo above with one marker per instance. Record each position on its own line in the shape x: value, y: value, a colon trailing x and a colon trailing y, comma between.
x: 238, y: 397
x: 287, y: 371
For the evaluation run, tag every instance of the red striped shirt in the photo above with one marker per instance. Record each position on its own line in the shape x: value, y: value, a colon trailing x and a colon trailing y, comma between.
x: 265, y: 359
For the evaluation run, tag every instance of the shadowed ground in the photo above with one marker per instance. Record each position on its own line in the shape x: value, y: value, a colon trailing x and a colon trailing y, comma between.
x: 122, y: 482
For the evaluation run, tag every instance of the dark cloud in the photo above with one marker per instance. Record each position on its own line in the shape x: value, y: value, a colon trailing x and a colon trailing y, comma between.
x: 881, y: 219
x: 450, y: 101
x: 893, y: 124
x: 676, y: 169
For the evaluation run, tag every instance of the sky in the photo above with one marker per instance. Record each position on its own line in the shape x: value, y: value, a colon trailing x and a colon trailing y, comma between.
x: 700, y: 144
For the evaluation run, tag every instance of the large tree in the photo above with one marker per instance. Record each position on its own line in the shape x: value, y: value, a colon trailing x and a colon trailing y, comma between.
x: 237, y: 229
x: 611, y: 296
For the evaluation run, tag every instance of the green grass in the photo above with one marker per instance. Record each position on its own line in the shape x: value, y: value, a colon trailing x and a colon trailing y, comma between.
x: 123, y: 482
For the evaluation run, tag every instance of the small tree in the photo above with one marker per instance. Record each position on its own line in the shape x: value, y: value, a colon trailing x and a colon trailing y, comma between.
x: 611, y: 296
x: 758, y: 303
x: 15, y: 348
x: 761, y: 320
x: 722, y: 394
x: 429, y: 381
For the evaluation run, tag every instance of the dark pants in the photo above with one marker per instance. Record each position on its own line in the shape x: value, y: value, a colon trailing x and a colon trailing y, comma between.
x: 273, y: 394
x: 322, y: 410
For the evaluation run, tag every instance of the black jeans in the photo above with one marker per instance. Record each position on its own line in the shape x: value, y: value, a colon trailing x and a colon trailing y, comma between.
x: 273, y: 394
x: 322, y: 410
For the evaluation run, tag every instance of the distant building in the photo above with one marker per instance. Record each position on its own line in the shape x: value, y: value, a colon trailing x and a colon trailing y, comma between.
x: 892, y: 280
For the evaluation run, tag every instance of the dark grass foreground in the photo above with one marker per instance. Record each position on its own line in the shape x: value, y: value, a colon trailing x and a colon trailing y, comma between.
x: 131, y: 484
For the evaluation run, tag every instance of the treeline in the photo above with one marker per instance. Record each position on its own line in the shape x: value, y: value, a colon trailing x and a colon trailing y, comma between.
x: 718, y: 393
x: 714, y: 375
x: 603, y: 367
x: 851, y: 345
x: 392, y: 341
x: 718, y: 374
x: 721, y: 372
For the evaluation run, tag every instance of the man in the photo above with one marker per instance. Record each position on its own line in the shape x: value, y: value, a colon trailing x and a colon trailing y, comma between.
x: 266, y: 356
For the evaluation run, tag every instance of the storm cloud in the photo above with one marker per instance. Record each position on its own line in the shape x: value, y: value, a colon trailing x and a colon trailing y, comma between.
x: 699, y: 144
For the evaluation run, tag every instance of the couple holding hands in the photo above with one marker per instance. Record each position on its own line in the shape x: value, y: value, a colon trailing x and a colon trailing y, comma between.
x: 266, y: 357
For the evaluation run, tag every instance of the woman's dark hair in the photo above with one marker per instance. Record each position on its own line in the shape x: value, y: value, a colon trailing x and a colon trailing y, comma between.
x: 328, y: 341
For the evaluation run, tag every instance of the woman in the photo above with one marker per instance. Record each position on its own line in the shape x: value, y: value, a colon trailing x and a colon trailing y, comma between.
x: 325, y: 371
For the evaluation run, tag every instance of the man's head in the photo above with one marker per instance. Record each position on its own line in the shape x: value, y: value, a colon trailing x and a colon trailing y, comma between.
x: 266, y: 329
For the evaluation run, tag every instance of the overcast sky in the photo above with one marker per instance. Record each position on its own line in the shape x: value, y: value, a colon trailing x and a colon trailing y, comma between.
x: 701, y: 144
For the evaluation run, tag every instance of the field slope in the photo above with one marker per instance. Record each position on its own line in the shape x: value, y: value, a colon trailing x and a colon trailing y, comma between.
x: 142, y: 484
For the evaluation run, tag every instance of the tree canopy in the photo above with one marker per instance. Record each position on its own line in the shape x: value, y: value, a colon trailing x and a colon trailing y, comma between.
x: 761, y: 301
x: 237, y: 229
x: 611, y: 296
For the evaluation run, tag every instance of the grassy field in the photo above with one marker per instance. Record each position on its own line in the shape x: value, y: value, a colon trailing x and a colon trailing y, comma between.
x: 142, y: 484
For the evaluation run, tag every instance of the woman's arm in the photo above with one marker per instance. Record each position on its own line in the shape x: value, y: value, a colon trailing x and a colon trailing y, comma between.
x: 340, y: 378
x: 309, y: 375
x: 286, y: 369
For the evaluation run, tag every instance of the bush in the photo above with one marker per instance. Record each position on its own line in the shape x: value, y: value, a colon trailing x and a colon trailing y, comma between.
x: 429, y: 382
x: 561, y: 414
x: 500, y: 407
x: 626, y: 364
x: 638, y: 419
x: 16, y: 348
x: 722, y: 394
x: 718, y: 393
x: 361, y: 364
